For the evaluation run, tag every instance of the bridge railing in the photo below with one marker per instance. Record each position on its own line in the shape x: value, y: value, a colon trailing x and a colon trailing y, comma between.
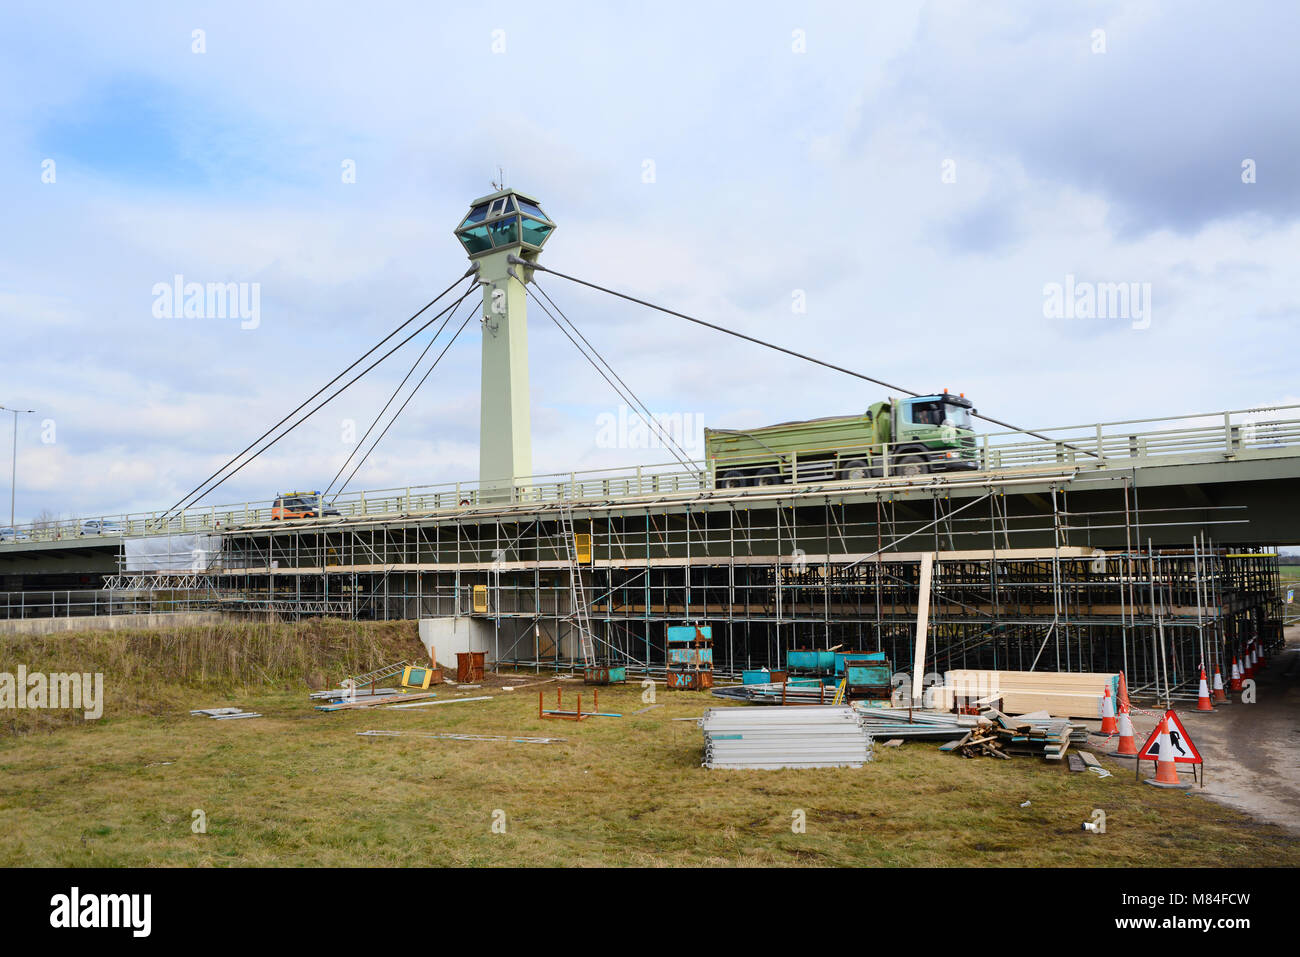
x: 84, y: 603
x: 1134, y: 442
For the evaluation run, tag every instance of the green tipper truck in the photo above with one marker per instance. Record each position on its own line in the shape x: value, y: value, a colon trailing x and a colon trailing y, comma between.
x: 929, y: 433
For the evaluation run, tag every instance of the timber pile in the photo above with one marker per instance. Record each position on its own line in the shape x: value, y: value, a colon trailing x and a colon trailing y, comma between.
x: 1063, y: 694
x: 1001, y: 736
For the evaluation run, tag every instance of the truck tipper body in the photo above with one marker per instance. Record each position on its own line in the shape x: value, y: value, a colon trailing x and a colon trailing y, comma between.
x: 911, y: 436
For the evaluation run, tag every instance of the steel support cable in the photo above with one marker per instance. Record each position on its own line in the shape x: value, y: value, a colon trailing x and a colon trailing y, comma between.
x: 185, y: 498
x: 414, y: 365
x: 642, y: 409
x: 403, y: 406
x: 772, y: 345
x: 343, y: 388
x: 683, y: 461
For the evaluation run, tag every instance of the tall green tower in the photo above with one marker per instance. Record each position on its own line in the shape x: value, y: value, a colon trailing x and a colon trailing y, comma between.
x: 504, y: 224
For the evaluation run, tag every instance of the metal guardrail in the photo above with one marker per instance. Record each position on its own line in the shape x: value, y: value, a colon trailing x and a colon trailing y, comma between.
x: 1130, y: 443
x: 84, y: 603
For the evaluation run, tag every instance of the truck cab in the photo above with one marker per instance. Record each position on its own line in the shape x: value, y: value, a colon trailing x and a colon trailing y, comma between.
x: 927, y: 433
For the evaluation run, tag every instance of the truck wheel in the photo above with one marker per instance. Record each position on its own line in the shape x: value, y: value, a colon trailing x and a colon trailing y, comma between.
x: 733, y: 479
x: 767, y: 477
x: 857, y: 469
x: 912, y: 465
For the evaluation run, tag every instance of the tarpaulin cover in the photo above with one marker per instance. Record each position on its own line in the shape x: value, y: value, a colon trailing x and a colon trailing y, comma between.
x: 173, y: 553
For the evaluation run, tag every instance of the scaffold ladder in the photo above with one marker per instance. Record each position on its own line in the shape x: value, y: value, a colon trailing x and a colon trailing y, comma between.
x: 577, y: 591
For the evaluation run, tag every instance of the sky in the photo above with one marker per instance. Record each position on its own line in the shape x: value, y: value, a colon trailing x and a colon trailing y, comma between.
x: 894, y: 187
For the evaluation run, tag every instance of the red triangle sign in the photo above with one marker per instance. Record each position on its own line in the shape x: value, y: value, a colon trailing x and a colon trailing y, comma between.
x: 1181, y: 742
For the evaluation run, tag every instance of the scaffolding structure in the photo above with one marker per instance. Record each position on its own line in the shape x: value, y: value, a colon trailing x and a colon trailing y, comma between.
x: 1013, y: 587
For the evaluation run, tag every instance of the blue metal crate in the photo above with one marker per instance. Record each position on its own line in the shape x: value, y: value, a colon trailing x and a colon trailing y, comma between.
x: 688, y: 632
x: 804, y: 660
x: 860, y: 657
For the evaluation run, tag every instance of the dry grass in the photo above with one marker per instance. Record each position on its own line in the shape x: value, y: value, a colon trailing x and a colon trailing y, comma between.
x: 146, y: 670
x: 298, y: 787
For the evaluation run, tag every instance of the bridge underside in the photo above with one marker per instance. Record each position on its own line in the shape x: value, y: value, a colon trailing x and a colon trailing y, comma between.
x: 1052, y: 570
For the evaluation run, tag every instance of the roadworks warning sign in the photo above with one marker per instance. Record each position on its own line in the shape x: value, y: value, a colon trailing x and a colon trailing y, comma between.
x: 1180, y: 743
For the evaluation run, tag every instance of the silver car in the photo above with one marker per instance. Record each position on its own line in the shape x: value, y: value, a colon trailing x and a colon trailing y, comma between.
x: 97, y: 526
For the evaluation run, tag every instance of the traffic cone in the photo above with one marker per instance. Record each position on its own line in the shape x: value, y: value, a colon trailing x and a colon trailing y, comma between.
x: 1166, y: 772
x: 1235, y: 683
x: 1203, y: 702
x: 1219, y: 694
x: 1249, y: 669
x: 1127, y: 746
x: 1108, y: 724
x: 1123, y: 694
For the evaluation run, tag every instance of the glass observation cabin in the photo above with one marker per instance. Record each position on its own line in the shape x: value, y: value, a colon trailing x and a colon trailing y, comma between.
x: 503, y: 220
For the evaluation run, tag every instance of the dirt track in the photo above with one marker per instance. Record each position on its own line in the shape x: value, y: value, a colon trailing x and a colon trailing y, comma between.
x: 1251, y: 751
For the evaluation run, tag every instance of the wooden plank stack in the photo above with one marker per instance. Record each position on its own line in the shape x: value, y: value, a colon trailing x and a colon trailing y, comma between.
x: 1062, y: 694
x: 1001, y: 736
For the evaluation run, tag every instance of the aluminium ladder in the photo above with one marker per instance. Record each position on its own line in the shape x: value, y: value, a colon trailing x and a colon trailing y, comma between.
x: 577, y: 591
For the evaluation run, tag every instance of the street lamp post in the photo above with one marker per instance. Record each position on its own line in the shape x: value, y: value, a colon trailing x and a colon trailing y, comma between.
x: 13, y: 469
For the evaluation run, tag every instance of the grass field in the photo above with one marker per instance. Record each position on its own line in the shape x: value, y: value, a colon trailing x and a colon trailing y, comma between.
x: 298, y: 787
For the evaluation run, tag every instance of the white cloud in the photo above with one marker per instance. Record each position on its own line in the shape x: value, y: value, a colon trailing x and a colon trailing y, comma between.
x: 776, y: 172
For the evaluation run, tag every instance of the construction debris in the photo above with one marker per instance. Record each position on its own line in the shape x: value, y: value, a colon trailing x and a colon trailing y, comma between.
x: 419, y: 677
x: 371, y: 701
x: 914, y: 723
x: 1090, y: 761
x: 224, y: 714
x: 1001, y: 736
x: 579, y: 715
x: 423, y: 704
x: 448, y: 736
x: 768, y: 738
x: 338, y: 694
x: 809, y: 691
x: 371, y: 678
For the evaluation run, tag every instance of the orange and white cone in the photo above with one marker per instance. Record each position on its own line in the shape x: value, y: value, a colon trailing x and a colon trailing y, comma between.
x: 1219, y: 694
x: 1108, y: 723
x: 1235, y: 682
x: 1127, y: 746
x: 1166, y: 771
x: 1123, y: 694
x: 1203, y: 702
x: 1252, y: 657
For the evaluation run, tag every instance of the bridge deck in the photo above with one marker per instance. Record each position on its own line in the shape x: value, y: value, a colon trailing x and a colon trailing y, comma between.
x: 1227, y: 447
